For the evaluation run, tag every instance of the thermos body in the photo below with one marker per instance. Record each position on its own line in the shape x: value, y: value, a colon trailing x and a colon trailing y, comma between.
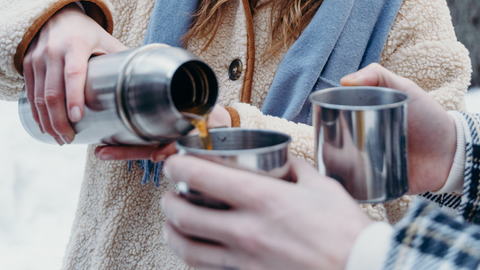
x: 135, y: 97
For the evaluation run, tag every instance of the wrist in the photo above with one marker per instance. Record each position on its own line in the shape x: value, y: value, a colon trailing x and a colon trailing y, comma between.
x: 454, y: 182
x: 95, y: 9
x: 447, y: 156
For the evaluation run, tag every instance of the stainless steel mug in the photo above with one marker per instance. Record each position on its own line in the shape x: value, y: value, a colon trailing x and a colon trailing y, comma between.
x: 261, y: 151
x: 136, y: 97
x: 361, y: 140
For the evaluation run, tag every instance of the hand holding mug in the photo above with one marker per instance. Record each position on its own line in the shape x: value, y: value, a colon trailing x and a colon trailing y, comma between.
x: 431, y: 131
x: 311, y: 224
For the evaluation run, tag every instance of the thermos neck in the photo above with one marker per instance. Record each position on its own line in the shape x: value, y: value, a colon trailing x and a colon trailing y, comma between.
x: 194, y: 88
x: 159, y: 84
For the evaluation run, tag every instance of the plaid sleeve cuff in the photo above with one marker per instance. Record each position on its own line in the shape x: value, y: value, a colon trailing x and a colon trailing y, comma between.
x: 428, y: 238
x: 470, y: 203
x: 467, y: 204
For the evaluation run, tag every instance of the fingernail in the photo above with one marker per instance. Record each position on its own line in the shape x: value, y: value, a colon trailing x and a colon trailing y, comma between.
x: 59, y: 141
x: 75, y: 114
x: 66, y: 139
x: 41, y: 129
x: 106, y: 156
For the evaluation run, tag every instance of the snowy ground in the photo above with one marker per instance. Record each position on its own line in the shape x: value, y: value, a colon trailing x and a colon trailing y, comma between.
x: 39, y: 187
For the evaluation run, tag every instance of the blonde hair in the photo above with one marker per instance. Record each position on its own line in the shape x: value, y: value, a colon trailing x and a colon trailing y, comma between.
x: 289, y: 19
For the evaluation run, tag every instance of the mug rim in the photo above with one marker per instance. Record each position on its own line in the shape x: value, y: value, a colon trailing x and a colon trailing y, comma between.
x: 406, y: 98
x: 236, y: 152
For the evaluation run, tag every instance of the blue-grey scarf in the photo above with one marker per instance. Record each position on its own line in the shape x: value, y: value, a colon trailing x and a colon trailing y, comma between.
x: 343, y: 37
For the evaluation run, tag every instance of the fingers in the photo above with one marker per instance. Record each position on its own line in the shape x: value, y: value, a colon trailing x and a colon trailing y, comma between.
x: 75, y: 73
x: 235, y: 187
x: 154, y: 153
x: 39, y: 71
x: 199, y: 254
x: 55, y: 69
x: 376, y: 75
x: 29, y: 76
x: 55, y: 99
x: 196, y: 220
x: 123, y: 152
x: 219, y: 117
x: 43, y: 69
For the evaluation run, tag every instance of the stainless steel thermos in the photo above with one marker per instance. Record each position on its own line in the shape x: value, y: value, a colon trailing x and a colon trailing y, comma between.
x: 136, y: 97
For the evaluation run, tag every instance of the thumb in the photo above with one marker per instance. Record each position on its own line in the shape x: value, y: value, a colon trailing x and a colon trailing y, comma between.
x: 376, y: 75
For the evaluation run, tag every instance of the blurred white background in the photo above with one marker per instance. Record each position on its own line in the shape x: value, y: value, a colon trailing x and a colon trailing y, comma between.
x: 39, y: 188
x: 473, y: 100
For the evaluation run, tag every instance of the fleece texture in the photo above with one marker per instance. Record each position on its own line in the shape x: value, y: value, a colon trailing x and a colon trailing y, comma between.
x: 118, y: 223
x: 341, y: 38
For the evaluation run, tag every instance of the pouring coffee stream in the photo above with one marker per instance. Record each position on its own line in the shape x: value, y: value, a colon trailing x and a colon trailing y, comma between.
x: 201, y: 123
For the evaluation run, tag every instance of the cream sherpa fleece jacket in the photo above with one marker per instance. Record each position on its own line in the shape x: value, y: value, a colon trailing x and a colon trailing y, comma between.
x: 118, y: 222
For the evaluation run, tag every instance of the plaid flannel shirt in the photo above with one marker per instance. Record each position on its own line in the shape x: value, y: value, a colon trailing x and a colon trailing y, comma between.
x: 427, y: 237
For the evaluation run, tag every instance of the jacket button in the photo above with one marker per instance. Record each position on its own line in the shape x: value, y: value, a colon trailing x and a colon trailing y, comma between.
x: 235, y: 70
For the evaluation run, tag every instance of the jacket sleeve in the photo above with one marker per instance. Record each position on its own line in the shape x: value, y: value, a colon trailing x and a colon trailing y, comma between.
x: 467, y: 204
x: 20, y: 20
x: 422, y: 47
x: 428, y: 237
x: 302, y: 135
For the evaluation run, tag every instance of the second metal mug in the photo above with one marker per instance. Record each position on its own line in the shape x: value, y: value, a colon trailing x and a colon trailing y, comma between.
x: 361, y: 140
x: 260, y: 151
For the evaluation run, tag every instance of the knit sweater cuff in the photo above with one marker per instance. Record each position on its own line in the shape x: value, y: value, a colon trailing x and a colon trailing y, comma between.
x: 370, y: 250
x: 455, y: 178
